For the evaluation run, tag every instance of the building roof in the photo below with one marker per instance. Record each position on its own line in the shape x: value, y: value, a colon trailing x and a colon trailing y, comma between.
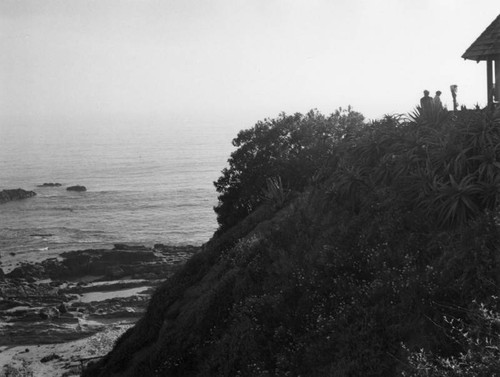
x: 487, y: 46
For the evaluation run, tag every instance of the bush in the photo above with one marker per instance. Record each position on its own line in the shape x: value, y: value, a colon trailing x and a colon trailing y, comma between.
x: 479, y: 340
x: 292, y: 147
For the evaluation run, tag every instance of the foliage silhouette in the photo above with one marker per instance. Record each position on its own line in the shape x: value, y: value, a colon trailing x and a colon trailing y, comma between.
x: 292, y: 147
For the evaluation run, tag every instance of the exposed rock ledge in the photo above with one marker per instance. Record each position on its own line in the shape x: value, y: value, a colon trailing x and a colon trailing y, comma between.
x: 50, y: 184
x: 138, y: 262
x: 82, y: 292
x: 15, y: 194
x: 76, y: 188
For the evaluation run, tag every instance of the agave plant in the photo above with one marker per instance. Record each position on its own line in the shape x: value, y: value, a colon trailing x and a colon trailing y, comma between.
x: 488, y: 166
x: 430, y: 117
x: 455, y: 202
x: 446, y: 164
x: 480, y: 128
x: 274, y: 191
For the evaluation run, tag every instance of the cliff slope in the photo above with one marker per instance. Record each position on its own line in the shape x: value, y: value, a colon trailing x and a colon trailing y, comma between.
x: 372, y: 254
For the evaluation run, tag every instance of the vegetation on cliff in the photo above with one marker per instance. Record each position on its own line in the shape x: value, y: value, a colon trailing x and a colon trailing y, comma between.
x: 293, y: 147
x: 387, y: 231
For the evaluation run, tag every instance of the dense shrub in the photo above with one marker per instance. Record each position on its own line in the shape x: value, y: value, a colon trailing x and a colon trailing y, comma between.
x: 292, y: 147
x: 448, y: 168
x: 479, y: 338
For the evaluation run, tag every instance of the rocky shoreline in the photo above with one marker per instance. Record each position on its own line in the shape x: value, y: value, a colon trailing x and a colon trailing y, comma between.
x: 82, y: 293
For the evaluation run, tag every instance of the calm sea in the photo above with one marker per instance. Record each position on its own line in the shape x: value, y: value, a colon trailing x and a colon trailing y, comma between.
x: 145, y: 185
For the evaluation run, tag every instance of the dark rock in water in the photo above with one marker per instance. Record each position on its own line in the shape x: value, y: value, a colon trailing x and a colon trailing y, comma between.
x: 114, y: 272
x: 122, y: 246
x: 171, y: 249
x: 30, y: 279
x: 50, y: 358
x: 16, y: 289
x: 76, y: 188
x: 15, y: 194
x: 98, y: 262
x: 116, y: 263
x: 2, y: 274
x: 7, y: 304
x: 62, y: 308
x: 50, y: 185
x: 49, y: 313
x: 27, y: 270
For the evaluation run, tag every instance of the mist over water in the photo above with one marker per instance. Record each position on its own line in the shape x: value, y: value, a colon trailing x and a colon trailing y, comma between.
x: 146, y: 184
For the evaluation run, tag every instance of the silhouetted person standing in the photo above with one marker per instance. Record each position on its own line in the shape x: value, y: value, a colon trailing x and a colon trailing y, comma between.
x: 426, y: 101
x: 438, y: 105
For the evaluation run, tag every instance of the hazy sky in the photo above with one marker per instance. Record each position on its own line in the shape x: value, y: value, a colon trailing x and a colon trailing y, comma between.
x: 232, y: 61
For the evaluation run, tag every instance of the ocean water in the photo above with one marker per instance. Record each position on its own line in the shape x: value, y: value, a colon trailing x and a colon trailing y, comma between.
x: 146, y: 184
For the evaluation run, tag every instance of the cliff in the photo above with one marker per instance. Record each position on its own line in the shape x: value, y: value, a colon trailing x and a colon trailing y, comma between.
x: 334, y: 279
